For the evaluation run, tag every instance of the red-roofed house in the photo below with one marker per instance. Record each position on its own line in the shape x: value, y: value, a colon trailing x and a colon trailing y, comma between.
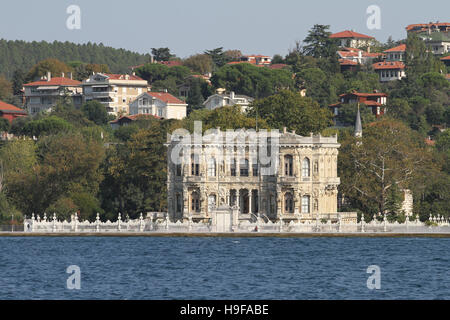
x: 446, y: 60
x: 396, y: 53
x: 114, y: 91
x: 375, y: 101
x: 429, y: 27
x: 161, y: 104
x: 352, y: 39
x: 390, y: 70
x: 257, y: 60
x: 10, y: 112
x: 43, y: 95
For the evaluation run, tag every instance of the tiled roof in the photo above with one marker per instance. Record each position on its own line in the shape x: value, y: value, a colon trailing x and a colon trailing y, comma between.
x: 385, y: 65
x: 427, y: 25
x: 447, y: 58
x: 363, y: 94
x: 350, y: 34
x: 6, y: 107
x: 166, y: 97
x: 347, y: 62
x: 400, y: 48
x: 56, y: 81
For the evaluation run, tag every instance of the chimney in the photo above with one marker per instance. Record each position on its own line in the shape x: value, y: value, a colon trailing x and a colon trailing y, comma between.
x: 232, y: 95
x: 49, y: 76
x: 368, y: 49
x: 62, y: 74
x: 284, y: 130
x: 69, y: 74
x: 133, y: 73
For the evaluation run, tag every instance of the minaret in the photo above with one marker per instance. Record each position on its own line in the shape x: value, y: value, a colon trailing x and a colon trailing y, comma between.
x: 358, y: 126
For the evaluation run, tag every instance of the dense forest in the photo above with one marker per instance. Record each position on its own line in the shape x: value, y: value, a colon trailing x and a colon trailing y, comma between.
x: 22, y: 55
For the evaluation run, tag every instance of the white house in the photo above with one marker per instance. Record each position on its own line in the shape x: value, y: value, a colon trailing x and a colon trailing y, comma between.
x: 160, y: 104
x: 390, y: 70
x: 221, y: 99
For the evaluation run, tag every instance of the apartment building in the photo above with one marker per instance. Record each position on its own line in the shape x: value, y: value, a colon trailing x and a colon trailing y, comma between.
x: 114, y: 91
x: 44, y: 94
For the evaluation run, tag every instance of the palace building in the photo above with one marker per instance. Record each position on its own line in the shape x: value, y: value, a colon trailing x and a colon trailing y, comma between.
x: 214, y: 174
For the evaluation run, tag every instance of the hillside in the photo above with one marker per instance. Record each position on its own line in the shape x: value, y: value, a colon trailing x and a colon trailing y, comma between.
x: 23, y: 55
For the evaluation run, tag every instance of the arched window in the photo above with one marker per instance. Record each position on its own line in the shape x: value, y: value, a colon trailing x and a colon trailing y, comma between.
x: 195, y: 166
x: 195, y: 202
x: 244, y: 168
x: 211, y: 167
x: 305, y: 167
x: 288, y: 203
x: 305, y: 204
x: 288, y: 165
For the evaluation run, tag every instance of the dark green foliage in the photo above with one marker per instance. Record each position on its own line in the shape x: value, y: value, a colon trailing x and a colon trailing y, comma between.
x: 161, y: 54
x: 95, y: 112
x: 45, y: 126
x: 318, y: 42
x: 23, y: 55
x: 252, y: 81
x: 291, y: 110
x: 5, y: 125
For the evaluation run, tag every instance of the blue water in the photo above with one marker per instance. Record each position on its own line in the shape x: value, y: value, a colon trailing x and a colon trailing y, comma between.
x: 224, y: 268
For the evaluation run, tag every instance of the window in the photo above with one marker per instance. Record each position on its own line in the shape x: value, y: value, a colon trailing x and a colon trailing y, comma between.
x: 305, y: 167
x: 195, y: 202
x: 288, y: 165
x: 195, y: 167
x: 233, y: 168
x: 211, y: 167
x: 178, y: 169
x: 244, y: 168
x: 255, y: 169
x: 179, y: 202
x: 288, y: 203
x: 305, y: 204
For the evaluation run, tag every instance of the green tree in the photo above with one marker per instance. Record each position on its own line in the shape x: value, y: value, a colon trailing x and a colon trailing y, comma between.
x: 5, y: 88
x: 95, y: 112
x: 45, y: 126
x: 162, y: 54
x: 389, y: 155
x: 52, y: 65
x: 199, y: 63
x: 253, y: 81
x: 291, y: 110
x: 318, y: 42
x: 5, y: 125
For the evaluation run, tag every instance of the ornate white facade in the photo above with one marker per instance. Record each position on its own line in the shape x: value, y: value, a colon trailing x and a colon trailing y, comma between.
x: 304, y: 186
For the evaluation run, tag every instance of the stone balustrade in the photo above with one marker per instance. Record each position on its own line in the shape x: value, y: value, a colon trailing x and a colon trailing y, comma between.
x: 159, y: 222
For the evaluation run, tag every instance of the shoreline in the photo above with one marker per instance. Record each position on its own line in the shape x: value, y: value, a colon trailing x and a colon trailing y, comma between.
x: 227, y: 234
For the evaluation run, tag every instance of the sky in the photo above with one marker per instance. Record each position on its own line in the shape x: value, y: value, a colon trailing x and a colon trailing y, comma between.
x: 191, y: 26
